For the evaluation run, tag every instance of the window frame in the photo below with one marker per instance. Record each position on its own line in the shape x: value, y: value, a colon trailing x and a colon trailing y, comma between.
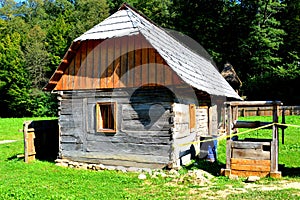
x: 99, y: 118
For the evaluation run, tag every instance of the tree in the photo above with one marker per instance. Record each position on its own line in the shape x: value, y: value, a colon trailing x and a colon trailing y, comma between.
x: 36, y: 57
x: 87, y: 14
x: 261, y: 49
x: 14, y: 82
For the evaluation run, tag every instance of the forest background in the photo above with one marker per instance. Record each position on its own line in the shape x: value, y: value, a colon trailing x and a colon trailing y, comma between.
x: 260, y: 39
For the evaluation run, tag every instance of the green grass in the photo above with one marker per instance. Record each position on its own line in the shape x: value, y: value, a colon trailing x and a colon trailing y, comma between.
x: 45, y: 180
x: 11, y: 128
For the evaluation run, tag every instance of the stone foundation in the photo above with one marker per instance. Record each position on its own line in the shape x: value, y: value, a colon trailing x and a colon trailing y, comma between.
x: 97, y: 167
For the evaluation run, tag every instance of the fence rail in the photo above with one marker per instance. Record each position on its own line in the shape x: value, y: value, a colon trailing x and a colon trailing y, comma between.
x: 267, y: 111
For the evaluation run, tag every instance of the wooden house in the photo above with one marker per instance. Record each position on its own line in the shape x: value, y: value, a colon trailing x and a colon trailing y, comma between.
x: 132, y: 95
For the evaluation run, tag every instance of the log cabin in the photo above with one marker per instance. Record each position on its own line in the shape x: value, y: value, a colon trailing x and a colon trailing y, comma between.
x: 132, y: 95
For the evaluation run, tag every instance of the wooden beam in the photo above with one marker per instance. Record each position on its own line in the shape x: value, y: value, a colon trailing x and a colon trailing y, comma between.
x: 250, y: 124
x: 229, y: 141
x: 59, y: 72
x: 253, y: 103
x: 274, y: 143
x: 53, y: 82
x: 64, y: 61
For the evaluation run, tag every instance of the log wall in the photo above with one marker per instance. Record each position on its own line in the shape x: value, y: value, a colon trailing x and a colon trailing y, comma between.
x: 143, y: 137
x: 151, y: 126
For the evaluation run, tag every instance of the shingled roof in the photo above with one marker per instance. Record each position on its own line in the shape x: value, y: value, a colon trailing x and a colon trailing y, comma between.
x: 194, y: 69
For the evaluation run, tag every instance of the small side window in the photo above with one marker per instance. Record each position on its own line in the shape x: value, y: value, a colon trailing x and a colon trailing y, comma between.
x: 106, y: 117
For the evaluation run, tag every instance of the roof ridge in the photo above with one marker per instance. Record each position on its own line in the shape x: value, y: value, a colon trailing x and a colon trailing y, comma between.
x: 127, y: 6
x: 179, y: 40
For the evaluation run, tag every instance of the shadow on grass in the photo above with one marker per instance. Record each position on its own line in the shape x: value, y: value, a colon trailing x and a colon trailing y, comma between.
x: 17, y: 157
x: 290, y: 171
x: 21, y: 157
x: 213, y: 168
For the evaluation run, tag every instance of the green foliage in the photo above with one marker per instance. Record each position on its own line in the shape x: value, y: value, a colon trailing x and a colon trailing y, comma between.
x: 259, y: 38
x: 13, y: 77
x: 33, y: 39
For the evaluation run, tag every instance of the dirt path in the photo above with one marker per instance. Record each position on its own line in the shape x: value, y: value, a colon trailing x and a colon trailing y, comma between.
x: 7, y: 141
x: 248, y: 187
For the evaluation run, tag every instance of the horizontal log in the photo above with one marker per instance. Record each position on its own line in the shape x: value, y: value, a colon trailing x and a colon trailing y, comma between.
x: 124, y: 138
x: 254, y: 154
x: 251, y: 124
x: 70, y: 147
x: 249, y: 173
x: 256, y: 168
x: 250, y: 162
x: 254, y: 124
x: 130, y: 148
x: 249, y: 145
x: 125, y: 160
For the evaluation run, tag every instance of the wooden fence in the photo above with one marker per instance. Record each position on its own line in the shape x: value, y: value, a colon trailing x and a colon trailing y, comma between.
x: 267, y: 111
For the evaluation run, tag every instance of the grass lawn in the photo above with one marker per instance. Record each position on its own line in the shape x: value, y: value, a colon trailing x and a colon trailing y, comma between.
x: 45, y: 180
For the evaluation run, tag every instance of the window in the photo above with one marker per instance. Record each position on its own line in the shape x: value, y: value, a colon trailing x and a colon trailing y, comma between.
x: 106, y: 117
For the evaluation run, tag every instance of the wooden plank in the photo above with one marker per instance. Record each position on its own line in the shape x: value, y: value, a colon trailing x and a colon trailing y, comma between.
x: 249, y: 173
x: 65, y: 78
x: 71, y: 75
x: 96, y: 64
x: 117, y: 63
x: 255, y: 154
x: 168, y: 75
x: 29, y: 148
x: 213, y: 120
x: 89, y: 65
x: 192, y: 110
x: 83, y: 66
x: 110, y: 62
x: 145, y: 71
x: 249, y: 145
x: 275, y: 140
x: 103, y: 64
x: 123, y: 61
x: 250, y: 162
x: 152, y: 66
x: 176, y: 79
x: 253, y: 103
x: 77, y: 68
x: 131, y: 64
x: 256, y: 168
x: 228, y: 132
x: 251, y: 124
x: 138, y: 62
x: 160, y: 77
